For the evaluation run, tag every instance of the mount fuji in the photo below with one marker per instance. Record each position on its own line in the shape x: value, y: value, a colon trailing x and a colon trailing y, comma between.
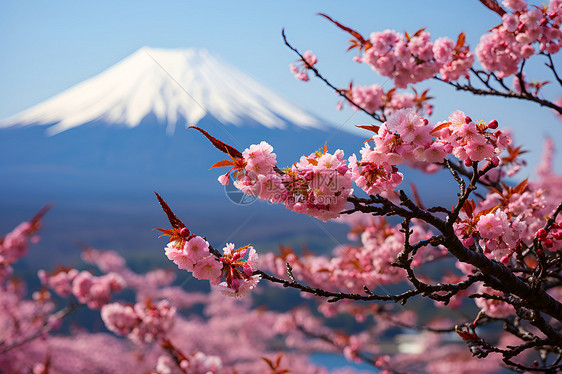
x: 130, y: 121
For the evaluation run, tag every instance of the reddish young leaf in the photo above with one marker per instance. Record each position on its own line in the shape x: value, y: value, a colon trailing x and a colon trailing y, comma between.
x: 468, y: 336
x: 231, y: 151
x: 174, y: 221
x: 493, y: 6
x: 223, y: 163
x: 520, y: 188
x: 469, y: 207
x: 312, y: 161
x: 419, y: 32
x: 269, y: 362
x: 460, y: 41
x: 487, y: 211
x: 355, y: 34
x: 354, y: 44
x: 373, y: 128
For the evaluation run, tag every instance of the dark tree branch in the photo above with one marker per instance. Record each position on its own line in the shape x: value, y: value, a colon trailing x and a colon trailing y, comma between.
x: 340, y: 92
x: 493, y: 92
x: 550, y: 65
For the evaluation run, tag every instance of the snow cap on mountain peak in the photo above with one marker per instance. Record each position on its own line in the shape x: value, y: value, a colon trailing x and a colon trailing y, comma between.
x: 175, y: 86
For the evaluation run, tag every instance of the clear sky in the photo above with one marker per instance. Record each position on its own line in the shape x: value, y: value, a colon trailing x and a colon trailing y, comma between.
x: 50, y: 46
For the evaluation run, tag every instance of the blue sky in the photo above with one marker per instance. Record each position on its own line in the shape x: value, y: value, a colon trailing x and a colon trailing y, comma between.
x: 50, y: 46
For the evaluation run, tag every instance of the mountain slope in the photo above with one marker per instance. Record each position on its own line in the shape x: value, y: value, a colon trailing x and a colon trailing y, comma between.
x: 176, y: 86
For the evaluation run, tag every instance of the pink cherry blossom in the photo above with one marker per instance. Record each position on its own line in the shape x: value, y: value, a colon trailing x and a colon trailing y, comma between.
x: 208, y: 268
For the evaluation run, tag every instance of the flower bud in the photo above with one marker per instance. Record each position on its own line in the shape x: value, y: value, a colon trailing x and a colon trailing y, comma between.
x: 467, y: 162
x: 541, y: 234
x: 184, y: 232
x: 467, y: 119
x: 493, y: 124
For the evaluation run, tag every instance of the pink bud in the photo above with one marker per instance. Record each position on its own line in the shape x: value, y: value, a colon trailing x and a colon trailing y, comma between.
x: 495, y: 161
x: 184, y: 232
x: 467, y: 119
x: 467, y: 162
x: 557, y: 235
x: 541, y: 234
x: 544, y: 21
x: 552, y: 14
x: 425, y: 121
x: 497, y: 133
x: 493, y: 124
x: 223, y: 179
x: 548, y: 243
x: 236, y: 283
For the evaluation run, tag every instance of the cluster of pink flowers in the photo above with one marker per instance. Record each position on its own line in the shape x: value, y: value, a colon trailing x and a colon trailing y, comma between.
x: 255, y: 175
x: 507, y: 219
x: 318, y: 185
x: 143, y: 322
x: 192, y: 253
x: 352, y: 266
x: 239, y: 273
x: 14, y: 246
x: 87, y: 288
x: 405, y: 137
x: 551, y: 239
x: 471, y: 141
x: 301, y: 71
x: 197, y: 363
x: 21, y: 318
x: 505, y: 46
x: 410, y: 59
x: 456, y: 59
x: 371, y: 177
x: 373, y: 98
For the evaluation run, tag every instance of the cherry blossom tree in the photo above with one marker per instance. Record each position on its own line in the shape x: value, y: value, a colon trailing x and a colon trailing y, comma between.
x: 496, y: 247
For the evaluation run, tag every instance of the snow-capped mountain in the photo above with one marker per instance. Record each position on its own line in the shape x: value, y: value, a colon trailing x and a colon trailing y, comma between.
x: 173, y: 85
